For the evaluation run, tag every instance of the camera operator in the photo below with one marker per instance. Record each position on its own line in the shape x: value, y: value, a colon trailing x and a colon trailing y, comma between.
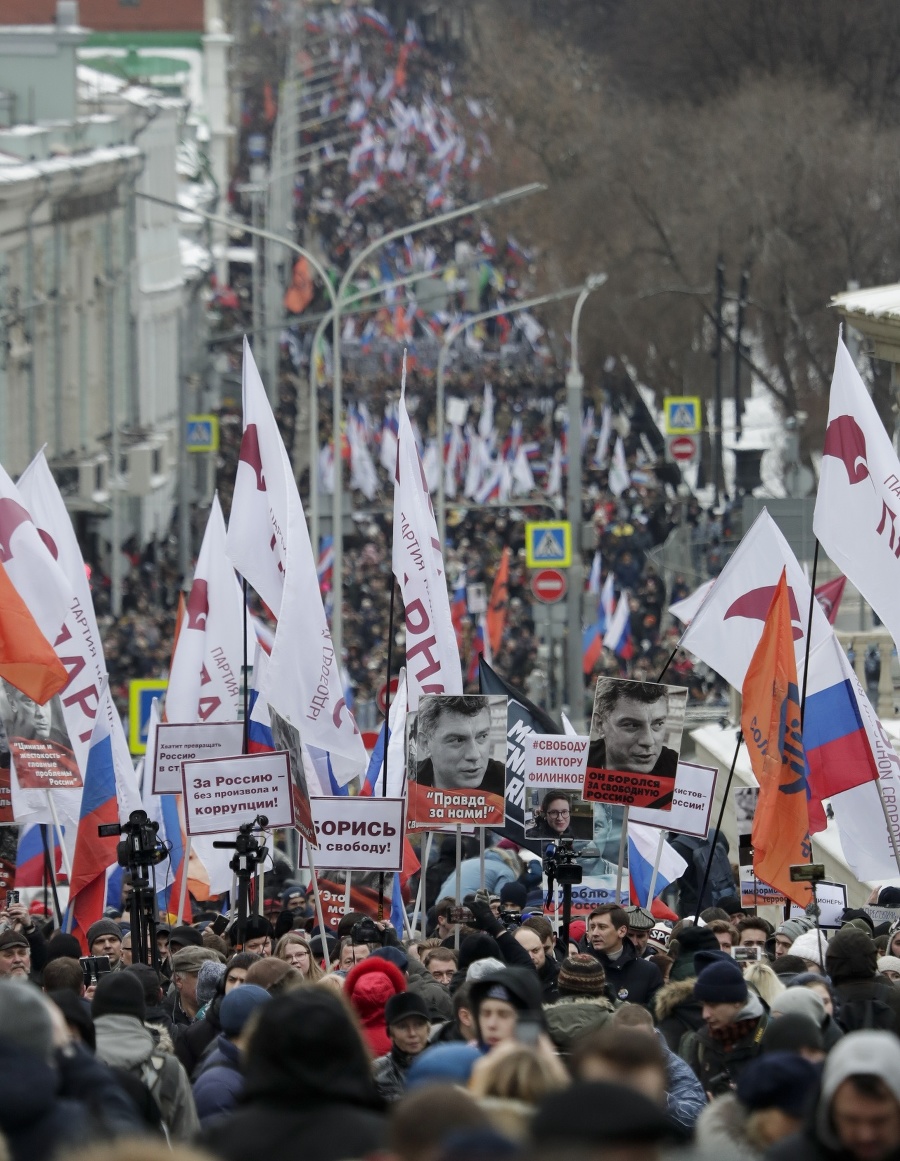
x: 484, y: 920
x: 18, y: 926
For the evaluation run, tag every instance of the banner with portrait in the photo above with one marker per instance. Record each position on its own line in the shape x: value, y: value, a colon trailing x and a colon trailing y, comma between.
x: 456, y: 761
x: 635, y: 741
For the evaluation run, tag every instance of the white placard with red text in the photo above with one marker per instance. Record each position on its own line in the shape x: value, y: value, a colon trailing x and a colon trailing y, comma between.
x: 692, y: 802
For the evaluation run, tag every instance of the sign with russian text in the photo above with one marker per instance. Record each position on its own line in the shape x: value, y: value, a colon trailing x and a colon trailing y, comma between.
x: 221, y: 794
x: 756, y: 893
x: 593, y: 892
x: 555, y: 762
x: 178, y: 742
x: 692, y: 802
x: 358, y: 834
x: 832, y: 899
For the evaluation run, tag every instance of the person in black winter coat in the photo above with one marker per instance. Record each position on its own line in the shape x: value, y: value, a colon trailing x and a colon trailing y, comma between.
x: 627, y: 976
x: 866, y: 999
x: 406, y: 1020
x: 307, y: 1078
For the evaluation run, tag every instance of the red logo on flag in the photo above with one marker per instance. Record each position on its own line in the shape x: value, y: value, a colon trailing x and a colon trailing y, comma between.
x: 844, y: 439
x: 12, y: 515
x: 755, y: 605
x: 250, y: 454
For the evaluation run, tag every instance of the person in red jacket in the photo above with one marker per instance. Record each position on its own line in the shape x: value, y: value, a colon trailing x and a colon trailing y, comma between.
x: 369, y: 986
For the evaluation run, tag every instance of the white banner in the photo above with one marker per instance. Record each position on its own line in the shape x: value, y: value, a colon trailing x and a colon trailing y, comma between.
x: 692, y: 802
x: 221, y: 794
x: 832, y: 899
x: 178, y: 742
x: 432, y: 654
x: 358, y: 834
x: 555, y: 763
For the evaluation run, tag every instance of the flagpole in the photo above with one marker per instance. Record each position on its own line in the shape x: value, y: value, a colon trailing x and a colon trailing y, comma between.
x: 623, y: 839
x: 387, y: 724
x: 458, y: 887
x: 812, y: 597
x: 669, y: 661
x: 712, y: 849
x: 318, y: 902
x: 246, y: 676
x: 481, y: 845
x: 50, y: 875
x: 346, y: 891
x: 182, y: 895
x: 67, y: 863
x: 419, y: 922
x: 655, y: 872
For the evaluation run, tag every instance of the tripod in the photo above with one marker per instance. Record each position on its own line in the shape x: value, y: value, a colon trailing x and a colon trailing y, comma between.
x: 560, y: 866
x: 137, y: 853
x: 248, y: 854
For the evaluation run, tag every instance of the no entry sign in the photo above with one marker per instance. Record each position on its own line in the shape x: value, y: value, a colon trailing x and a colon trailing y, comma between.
x: 549, y: 585
x: 683, y: 448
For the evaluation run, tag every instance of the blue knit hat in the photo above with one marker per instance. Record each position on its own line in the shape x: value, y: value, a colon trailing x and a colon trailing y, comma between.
x: 443, y: 1063
x: 721, y: 983
x: 779, y: 1080
x: 239, y: 1005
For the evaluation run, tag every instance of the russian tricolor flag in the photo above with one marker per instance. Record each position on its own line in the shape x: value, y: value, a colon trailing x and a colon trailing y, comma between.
x: 94, y: 855
x: 374, y: 19
x: 618, y: 635
x: 591, y: 647
x: 643, y: 846
x: 30, y: 860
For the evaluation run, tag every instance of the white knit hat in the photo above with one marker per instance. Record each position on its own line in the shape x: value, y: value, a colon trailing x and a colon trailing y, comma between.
x: 808, y: 945
x: 888, y: 963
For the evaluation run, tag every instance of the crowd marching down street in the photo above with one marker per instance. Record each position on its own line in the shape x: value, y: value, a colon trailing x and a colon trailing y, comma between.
x: 473, y: 932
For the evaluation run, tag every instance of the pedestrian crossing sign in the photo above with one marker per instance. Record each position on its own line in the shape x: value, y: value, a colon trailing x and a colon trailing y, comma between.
x: 140, y: 700
x: 682, y: 414
x: 548, y: 542
x: 202, y: 433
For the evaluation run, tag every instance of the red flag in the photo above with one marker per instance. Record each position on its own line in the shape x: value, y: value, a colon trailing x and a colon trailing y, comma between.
x: 496, y: 614
x: 27, y: 659
x: 770, y: 720
x: 829, y: 597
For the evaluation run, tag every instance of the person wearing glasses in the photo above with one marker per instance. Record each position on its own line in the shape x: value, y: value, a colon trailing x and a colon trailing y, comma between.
x: 554, y: 818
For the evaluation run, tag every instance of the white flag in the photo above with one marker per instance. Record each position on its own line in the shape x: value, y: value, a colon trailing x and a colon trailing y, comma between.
x: 205, y: 681
x: 619, y: 476
x: 685, y: 610
x: 601, y: 451
x: 432, y: 655
x: 78, y: 645
x: 268, y: 542
x: 522, y: 475
x: 857, y: 516
x: 362, y: 470
x: 554, y: 475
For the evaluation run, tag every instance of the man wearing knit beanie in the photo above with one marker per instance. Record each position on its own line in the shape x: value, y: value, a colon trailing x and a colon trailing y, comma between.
x: 582, y: 1006
x: 105, y: 938
x: 733, y: 1025
x: 125, y: 1042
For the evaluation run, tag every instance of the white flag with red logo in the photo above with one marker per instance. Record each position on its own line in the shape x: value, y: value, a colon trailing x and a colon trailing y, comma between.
x: 857, y: 516
x: 205, y: 679
x: 432, y: 654
x: 37, y: 578
x: 725, y: 630
x: 257, y: 527
x: 268, y: 541
x: 71, y: 715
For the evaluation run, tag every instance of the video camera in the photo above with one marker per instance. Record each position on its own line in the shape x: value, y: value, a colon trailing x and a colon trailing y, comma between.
x: 367, y: 931
x: 247, y: 846
x: 560, y: 863
x: 141, y: 846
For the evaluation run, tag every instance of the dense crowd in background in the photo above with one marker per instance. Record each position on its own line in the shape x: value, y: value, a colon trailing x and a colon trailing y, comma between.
x: 340, y: 207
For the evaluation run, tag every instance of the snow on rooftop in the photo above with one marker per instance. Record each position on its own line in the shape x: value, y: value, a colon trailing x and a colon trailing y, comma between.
x: 874, y: 301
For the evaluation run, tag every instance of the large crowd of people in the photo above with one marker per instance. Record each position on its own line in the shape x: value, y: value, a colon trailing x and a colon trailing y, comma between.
x: 483, y: 1033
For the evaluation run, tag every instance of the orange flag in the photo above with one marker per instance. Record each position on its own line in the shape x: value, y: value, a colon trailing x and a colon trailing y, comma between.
x: 496, y: 614
x: 27, y: 660
x: 770, y: 720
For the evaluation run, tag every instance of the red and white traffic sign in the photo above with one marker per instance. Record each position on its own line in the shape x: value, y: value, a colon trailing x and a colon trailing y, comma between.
x: 382, y: 693
x: 549, y: 585
x: 683, y: 448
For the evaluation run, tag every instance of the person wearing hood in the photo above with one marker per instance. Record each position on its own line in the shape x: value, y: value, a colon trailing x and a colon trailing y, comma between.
x: 125, y: 1042
x: 769, y: 1105
x: 406, y: 1019
x: 503, y: 999
x: 308, y: 1086
x: 805, y: 1002
x: 674, y: 1007
x: 219, y: 1080
x: 734, y: 1021
x: 194, y: 1040
x: 866, y: 1001
x: 583, y: 1005
x: 368, y: 986
x: 627, y: 976
x: 857, y: 1114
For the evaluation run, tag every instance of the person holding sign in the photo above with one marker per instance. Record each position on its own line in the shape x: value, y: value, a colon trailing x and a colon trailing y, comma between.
x: 629, y: 730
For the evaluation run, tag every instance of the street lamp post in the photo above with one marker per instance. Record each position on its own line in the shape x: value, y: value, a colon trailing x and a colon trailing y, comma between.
x: 574, y: 404
x: 450, y: 337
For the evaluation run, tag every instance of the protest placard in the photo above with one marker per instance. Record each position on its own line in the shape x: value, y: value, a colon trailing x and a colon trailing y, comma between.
x: 692, y: 802
x: 832, y: 899
x: 358, y: 834
x: 555, y: 763
x: 178, y: 742
x: 220, y: 794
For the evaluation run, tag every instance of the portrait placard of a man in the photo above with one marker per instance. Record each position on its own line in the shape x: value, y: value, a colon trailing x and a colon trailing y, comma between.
x: 635, y: 729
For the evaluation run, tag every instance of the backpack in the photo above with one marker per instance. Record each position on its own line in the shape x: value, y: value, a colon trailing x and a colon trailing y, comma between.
x: 161, y: 1083
x: 868, y: 1014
